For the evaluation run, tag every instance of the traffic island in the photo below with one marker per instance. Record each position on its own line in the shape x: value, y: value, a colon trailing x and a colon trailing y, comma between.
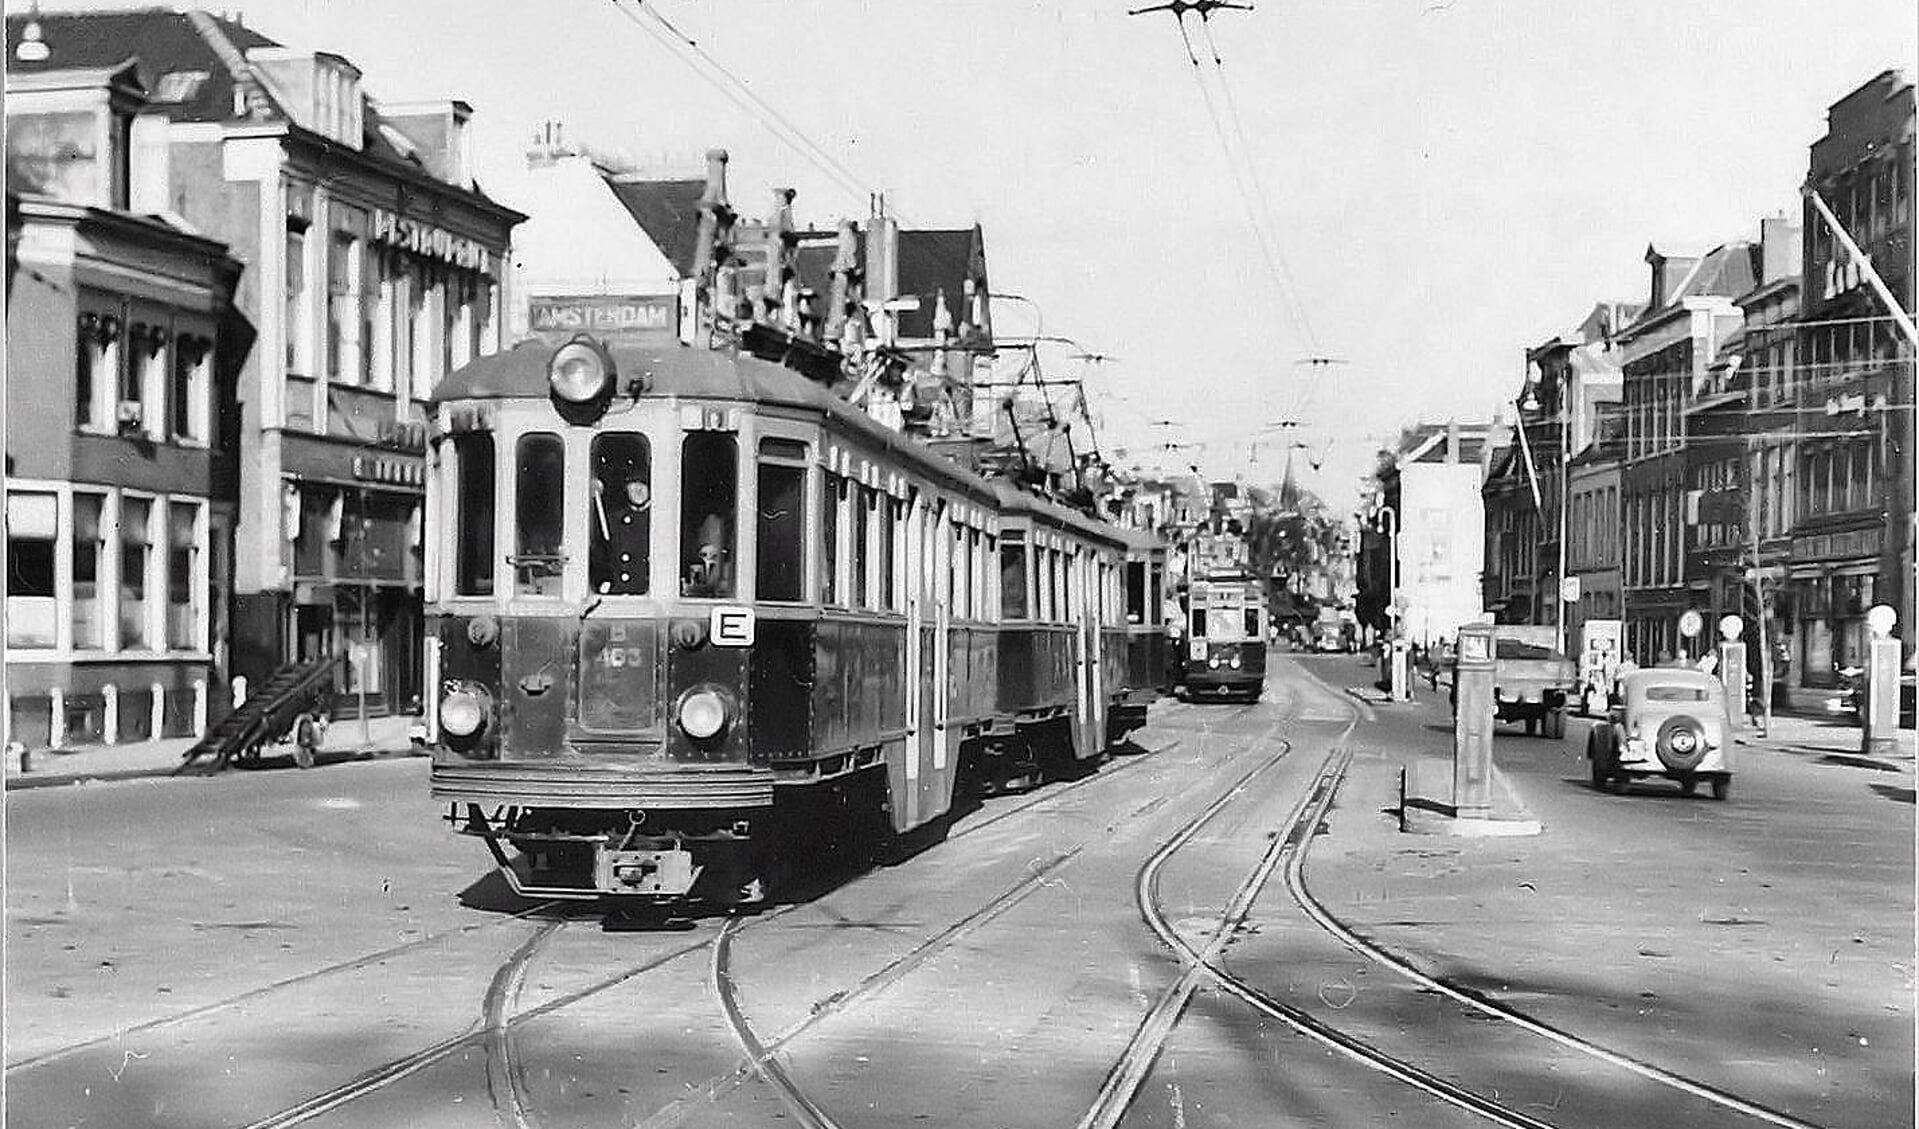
x: 1426, y: 805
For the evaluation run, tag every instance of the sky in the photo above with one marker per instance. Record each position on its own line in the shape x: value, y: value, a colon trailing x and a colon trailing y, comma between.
x: 1441, y: 182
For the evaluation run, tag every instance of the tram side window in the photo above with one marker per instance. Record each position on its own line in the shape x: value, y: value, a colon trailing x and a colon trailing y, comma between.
x: 1252, y: 623
x: 709, y: 513
x: 473, y: 515
x: 829, y: 538
x: 539, y: 514
x: 889, y: 555
x: 620, y: 521
x: 782, y: 528
x: 862, y: 500
x: 1012, y: 576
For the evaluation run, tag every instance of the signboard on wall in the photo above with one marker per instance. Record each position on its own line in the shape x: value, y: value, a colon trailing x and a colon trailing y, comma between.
x: 649, y: 315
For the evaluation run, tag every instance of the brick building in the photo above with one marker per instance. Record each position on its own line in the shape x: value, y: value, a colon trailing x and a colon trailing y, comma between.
x: 120, y: 500
x: 374, y: 264
x: 1852, y: 522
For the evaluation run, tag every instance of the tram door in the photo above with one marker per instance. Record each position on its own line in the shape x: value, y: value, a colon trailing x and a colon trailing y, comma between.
x: 1093, y: 688
x: 924, y: 788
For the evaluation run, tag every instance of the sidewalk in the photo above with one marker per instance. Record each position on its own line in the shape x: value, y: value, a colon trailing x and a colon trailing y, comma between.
x: 1826, y: 739
x: 345, y: 740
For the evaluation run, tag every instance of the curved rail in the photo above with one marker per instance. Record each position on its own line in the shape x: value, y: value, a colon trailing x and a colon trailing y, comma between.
x: 504, y: 1079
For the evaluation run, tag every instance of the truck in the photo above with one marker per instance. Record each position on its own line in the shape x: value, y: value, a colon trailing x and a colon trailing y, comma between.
x: 1532, y: 680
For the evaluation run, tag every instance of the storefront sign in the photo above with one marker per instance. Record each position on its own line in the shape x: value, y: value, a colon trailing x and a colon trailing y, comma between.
x: 1855, y: 543
x: 639, y: 314
x: 427, y: 241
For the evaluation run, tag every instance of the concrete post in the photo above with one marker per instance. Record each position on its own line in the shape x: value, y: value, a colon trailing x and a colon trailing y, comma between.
x: 110, y: 722
x: 1879, y: 711
x: 1473, y: 712
x: 157, y: 712
x: 1401, y: 682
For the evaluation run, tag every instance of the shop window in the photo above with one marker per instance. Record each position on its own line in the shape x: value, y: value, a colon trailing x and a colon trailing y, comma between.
x: 782, y: 532
x: 143, y: 391
x: 829, y: 538
x: 376, y: 322
x: 136, y: 557
x: 1012, y: 575
x: 89, y: 558
x: 861, y: 500
x: 297, y: 324
x: 188, y: 395
x: 620, y: 525
x: 32, y: 532
x: 539, y: 514
x: 343, y: 305
x: 95, y: 376
x: 183, y: 569
x: 709, y: 514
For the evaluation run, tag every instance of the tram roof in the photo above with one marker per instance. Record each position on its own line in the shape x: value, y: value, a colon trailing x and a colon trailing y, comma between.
x: 520, y: 373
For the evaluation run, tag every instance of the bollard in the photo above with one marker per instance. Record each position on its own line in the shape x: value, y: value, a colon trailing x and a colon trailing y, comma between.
x: 1732, y: 671
x: 1402, y: 687
x: 16, y: 748
x: 1473, y: 712
x: 1879, y: 709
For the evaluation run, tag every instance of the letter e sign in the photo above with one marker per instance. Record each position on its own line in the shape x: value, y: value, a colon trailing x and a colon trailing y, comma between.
x: 731, y: 627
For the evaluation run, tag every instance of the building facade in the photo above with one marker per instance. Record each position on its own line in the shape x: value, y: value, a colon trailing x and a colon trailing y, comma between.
x: 1593, y: 527
x: 120, y: 499
x: 374, y: 265
x: 1665, y: 358
x: 1852, y: 523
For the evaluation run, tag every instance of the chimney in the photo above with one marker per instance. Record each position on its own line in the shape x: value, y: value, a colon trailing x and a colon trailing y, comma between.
x: 1452, y: 440
x: 1781, y: 251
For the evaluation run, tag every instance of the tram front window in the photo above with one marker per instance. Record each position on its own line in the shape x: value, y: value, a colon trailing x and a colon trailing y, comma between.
x: 539, y: 514
x: 1012, y: 576
x: 620, y: 524
x: 473, y: 514
x: 709, y: 514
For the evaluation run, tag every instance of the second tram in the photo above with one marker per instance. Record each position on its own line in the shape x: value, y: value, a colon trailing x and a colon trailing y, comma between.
x: 1223, y: 640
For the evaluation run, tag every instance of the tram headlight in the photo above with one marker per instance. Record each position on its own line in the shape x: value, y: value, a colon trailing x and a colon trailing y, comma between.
x: 702, y: 713
x: 464, y: 711
x: 580, y: 371
x: 1234, y: 662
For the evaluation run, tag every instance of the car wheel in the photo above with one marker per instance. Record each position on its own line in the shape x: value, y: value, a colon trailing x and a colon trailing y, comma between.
x: 1688, y: 785
x: 1532, y: 726
x: 1599, y: 750
x: 1721, y: 786
x: 1680, y: 743
x: 1556, y: 724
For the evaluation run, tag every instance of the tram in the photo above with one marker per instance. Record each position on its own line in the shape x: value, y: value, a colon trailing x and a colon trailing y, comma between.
x: 1223, y: 639
x: 691, y: 613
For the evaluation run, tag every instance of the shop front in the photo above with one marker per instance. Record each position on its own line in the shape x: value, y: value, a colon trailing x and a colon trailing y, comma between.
x: 355, y: 534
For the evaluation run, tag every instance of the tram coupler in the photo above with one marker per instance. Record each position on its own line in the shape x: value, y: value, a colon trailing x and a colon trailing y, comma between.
x: 667, y: 873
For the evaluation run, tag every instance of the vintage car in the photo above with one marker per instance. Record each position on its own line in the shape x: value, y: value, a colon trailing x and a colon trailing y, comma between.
x: 1668, y: 722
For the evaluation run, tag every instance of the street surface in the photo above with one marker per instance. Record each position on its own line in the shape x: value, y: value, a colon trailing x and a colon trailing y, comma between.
x: 1226, y: 930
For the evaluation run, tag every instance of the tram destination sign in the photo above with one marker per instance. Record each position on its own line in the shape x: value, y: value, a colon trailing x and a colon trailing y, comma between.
x: 640, y: 315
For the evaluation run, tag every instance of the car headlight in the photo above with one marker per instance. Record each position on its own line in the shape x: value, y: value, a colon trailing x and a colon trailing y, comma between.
x: 463, y: 712
x: 702, y: 714
x: 579, y: 371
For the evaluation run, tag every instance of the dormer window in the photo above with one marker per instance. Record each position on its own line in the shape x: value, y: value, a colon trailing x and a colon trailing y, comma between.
x: 179, y: 86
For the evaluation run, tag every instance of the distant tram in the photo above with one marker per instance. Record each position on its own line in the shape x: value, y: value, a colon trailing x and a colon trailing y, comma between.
x: 691, y: 615
x: 1223, y: 639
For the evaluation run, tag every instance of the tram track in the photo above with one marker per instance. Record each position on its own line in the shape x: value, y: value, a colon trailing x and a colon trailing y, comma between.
x: 289, y: 983
x: 761, y: 1055
x: 498, y: 1020
x: 1287, y: 855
